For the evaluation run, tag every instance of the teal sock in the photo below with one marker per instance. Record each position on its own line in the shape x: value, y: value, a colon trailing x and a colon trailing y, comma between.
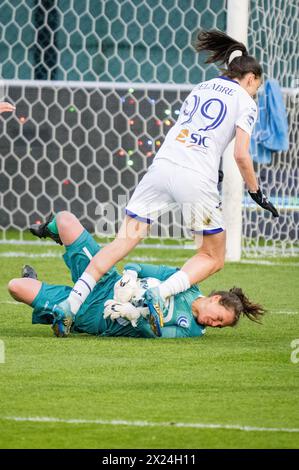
x: 52, y: 226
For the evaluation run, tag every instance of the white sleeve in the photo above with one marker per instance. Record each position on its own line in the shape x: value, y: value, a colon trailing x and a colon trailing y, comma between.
x: 247, y: 118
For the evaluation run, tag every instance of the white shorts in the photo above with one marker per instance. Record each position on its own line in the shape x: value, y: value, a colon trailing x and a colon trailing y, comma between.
x: 166, y: 185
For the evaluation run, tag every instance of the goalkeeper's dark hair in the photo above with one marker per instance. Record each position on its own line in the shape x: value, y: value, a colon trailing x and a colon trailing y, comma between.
x: 220, y: 46
x: 236, y: 300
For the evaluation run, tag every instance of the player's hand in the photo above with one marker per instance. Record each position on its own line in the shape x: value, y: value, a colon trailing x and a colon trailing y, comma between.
x: 6, y: 107
x: 263, y: 201
x: 111, y: 309
x: 125, y: 310
x: 125, y: 288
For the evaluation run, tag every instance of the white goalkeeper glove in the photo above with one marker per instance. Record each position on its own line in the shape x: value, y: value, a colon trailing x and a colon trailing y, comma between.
x: 125, y: 288
x: 125, y: 310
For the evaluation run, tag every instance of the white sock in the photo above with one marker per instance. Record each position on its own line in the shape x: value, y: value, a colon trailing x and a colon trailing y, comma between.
x: 81, y: 291
x: 178, y: 282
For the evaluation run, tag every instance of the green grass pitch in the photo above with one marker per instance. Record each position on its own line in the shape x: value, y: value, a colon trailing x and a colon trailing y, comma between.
x: 239, y: 376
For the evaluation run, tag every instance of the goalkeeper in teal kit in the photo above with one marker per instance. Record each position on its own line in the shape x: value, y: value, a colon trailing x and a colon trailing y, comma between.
x: 117, y: 307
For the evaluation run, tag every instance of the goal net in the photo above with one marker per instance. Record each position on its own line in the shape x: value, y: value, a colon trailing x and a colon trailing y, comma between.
x: 97, y: 85
x: 273, y: 39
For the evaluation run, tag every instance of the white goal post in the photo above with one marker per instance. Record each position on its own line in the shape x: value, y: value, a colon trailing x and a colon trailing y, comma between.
x: 232, y: 192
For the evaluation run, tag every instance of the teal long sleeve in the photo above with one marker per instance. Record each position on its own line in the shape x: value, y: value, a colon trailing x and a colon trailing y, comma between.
x: 160, y: 272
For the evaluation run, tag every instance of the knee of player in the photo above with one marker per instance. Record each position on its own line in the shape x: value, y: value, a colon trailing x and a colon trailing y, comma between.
x: 13, y: 287
x: 64, y: 220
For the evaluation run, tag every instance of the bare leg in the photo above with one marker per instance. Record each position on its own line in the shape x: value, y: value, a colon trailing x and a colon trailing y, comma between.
x: 130, y: 234
x: 208, y: 260
x: 69, y: 227
x: 24, y: 289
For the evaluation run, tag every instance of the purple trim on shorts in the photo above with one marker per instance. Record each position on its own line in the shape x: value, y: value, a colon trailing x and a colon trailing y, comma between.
x: 209, y: 232
x: 137, y: 217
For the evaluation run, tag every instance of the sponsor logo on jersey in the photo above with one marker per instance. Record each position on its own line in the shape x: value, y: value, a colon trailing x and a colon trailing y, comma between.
x: 194, y: 140
x: 182, y: 136
x: 183, y: 321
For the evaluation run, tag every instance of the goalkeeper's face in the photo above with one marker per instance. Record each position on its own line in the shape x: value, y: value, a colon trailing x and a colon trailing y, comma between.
x: 209, y: 312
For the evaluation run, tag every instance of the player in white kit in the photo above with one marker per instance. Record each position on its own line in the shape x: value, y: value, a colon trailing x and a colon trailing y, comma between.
x: 185, y: 171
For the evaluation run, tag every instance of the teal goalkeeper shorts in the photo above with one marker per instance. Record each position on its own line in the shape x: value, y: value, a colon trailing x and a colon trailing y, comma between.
x: 89, y: 318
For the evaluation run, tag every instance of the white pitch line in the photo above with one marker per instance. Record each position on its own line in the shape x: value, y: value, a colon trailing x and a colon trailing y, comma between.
x: 10, y: 302
x: 285, y: 312
x: 27, y: 242
x: 118, y: 422
x: 24, y: 254
x: 146, y: 259
x: 53, y: 254
x: 266, y: 262
x: 141, y: 259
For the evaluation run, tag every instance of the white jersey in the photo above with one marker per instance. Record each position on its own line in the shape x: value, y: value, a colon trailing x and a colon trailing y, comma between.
x: 206, y: 125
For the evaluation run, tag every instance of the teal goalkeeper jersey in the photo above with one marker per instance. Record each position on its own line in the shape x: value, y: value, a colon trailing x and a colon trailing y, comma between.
x: 179, y: 322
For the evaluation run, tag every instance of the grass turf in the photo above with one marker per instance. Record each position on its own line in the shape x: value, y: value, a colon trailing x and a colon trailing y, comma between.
x: 235, y: 376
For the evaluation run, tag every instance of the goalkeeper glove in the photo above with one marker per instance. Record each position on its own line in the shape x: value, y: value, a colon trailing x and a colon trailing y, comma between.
x: 125, y: 288
x: 263, y: 201
x: 125, y: 310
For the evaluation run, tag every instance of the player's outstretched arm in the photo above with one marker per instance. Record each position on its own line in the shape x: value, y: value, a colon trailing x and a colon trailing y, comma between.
x: 243, y: 159
x: 245, y: 165
x: 160, y: 272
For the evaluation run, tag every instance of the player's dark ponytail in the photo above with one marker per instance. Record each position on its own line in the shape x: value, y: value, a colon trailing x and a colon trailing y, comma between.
x: 236, y: 300
x: 221, y: 46
x: 250, y: 309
